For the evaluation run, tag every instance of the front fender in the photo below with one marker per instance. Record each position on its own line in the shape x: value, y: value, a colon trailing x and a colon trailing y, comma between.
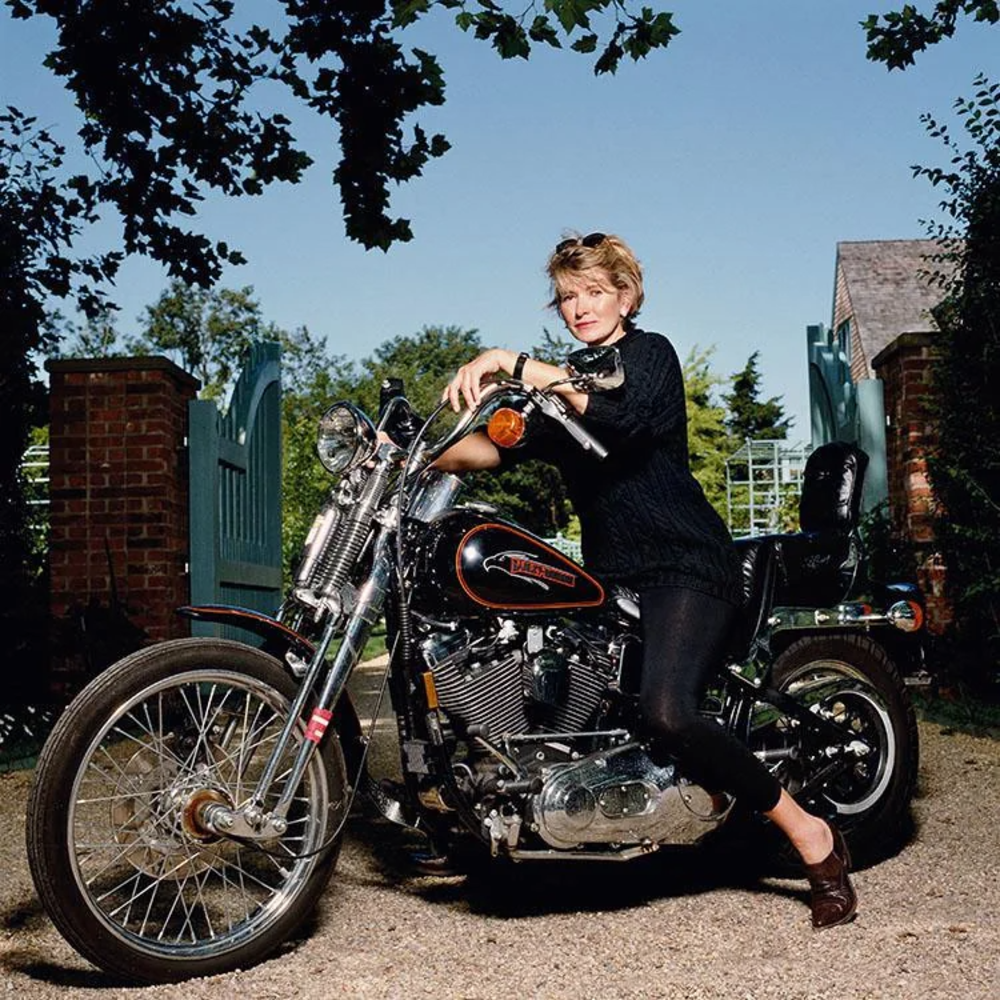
x: 274, y: 633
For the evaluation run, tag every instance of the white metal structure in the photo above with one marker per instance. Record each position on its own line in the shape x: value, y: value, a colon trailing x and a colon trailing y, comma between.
x: 763, y: 482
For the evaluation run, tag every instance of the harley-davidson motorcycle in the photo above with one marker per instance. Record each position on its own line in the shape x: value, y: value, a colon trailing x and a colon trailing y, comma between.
x: 189, y: 806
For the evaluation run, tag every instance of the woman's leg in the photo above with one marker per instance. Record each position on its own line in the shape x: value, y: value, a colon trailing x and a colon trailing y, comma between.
x: 685, y: 635
x: 809, y: 835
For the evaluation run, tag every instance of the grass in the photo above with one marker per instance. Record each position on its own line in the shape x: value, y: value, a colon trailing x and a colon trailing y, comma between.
x: 958, y: 712
x: 375, y: 646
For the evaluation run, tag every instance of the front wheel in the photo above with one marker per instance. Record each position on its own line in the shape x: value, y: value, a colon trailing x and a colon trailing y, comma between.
x: 116, y: 852
x: 850, y: 681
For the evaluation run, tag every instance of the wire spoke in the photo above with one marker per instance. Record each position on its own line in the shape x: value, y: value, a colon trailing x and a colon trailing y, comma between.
x: 138, y: 852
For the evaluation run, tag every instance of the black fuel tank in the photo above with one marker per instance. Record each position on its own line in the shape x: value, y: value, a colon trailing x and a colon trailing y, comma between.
x: 471, y: 561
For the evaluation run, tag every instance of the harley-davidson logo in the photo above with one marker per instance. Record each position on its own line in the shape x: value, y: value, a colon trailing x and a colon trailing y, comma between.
x: 526, y: 567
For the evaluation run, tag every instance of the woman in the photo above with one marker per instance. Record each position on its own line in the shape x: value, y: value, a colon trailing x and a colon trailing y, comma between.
x: 647, y: 524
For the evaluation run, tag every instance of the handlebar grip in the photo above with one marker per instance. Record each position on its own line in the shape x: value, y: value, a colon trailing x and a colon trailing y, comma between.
x: 585, y: 438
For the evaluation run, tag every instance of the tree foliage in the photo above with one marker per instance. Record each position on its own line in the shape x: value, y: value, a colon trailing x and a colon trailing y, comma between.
x: 749, y: 417
x: 39, y: 220
x: 965, y: 464
x: 169, y: 94
x: 708, y: 440
x: 208, y: 332
x: 895, y: 38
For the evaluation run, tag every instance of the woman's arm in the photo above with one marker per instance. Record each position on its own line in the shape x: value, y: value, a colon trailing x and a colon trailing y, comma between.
x: 474, y: 452
x: 468, y: 381
x: 651, y: 401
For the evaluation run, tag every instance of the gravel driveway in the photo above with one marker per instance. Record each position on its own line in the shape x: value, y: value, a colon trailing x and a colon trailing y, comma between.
x: 666, y: 926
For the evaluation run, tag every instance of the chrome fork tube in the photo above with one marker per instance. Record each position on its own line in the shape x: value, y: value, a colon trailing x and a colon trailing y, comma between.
x: 366, y: 613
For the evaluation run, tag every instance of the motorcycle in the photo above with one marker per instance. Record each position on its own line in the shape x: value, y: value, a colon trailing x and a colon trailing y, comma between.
x: 189, y: 806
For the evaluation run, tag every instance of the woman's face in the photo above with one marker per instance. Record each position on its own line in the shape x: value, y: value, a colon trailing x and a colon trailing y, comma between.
x: 592, y: 308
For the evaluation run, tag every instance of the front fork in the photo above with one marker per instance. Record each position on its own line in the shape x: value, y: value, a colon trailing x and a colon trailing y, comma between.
x: 250, y: 821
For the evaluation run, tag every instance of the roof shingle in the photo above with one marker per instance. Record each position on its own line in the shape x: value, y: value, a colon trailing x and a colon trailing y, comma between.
x: 890, y: 288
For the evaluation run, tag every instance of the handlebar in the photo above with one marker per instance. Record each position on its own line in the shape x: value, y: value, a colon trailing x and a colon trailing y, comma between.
x: 585, y: 438
x: 552, y: 406
x: 560, y: 412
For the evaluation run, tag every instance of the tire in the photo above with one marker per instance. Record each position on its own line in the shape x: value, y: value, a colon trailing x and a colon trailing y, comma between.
x: 854, y: 681
x: 121, y: 867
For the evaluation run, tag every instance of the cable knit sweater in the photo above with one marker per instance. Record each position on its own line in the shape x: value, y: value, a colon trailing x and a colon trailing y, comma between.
x: 644, y: 517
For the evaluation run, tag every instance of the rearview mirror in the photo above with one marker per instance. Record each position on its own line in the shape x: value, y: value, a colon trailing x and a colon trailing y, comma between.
x: 597, y: 368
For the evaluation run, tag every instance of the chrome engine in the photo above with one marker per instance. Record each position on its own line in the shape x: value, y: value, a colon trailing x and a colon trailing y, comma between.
x: 532, y: 702
x: 552, y: 678
x: 620, y: 796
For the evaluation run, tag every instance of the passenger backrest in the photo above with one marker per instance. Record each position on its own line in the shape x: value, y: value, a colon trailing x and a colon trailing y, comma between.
x: 831, y: 488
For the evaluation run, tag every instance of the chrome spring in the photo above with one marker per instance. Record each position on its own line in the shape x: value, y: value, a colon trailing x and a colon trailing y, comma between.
x: 338, y: 558
x: 316, y: 544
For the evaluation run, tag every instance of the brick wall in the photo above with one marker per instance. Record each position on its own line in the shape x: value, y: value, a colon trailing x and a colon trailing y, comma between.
x: 904, y: 367
x: 118, y: 488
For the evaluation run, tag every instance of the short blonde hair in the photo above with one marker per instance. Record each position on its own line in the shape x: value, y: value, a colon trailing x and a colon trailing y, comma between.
x: 598, y: 251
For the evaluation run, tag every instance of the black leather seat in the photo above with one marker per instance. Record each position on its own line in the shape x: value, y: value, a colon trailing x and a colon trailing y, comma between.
x: 814, y: 566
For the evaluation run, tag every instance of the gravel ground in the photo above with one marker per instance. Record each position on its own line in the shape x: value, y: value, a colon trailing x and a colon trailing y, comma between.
x: 666, y: 926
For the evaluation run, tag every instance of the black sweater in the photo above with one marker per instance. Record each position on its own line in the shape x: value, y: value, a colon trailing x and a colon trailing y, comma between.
x: 644, y: 517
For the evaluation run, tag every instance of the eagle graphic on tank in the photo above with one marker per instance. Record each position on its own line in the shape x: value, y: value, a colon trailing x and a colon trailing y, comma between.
x: 526, y: 566
x: 479, y: 561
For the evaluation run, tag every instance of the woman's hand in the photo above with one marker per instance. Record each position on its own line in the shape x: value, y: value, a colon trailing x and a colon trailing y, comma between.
x: 468, y: 381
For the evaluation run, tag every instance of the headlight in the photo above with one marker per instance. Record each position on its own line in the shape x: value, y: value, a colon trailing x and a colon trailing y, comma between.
x: 346, y: 438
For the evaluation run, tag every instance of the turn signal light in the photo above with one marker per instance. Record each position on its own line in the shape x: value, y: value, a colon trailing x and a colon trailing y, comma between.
x: 506, y: 427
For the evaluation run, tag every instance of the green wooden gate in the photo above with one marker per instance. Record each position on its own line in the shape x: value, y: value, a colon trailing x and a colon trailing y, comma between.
x: 235, y: 493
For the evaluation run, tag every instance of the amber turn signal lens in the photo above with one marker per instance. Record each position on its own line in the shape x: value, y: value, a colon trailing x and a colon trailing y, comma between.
x: 506, y: 427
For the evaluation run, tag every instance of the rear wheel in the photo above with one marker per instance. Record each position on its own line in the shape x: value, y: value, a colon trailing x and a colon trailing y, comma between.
x: 867, y: 787
x: 120, y: 860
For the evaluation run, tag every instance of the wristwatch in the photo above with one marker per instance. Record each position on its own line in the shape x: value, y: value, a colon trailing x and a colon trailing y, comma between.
x: 518, y: 371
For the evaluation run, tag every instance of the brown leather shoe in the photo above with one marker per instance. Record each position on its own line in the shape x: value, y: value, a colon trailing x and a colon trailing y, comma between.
x: 833, y: 900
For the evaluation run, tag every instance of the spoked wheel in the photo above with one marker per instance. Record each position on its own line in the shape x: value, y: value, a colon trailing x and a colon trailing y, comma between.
x: 119, y: 849
x: 866, y: 783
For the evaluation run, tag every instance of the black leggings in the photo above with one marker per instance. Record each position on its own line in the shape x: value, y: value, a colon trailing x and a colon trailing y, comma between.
x: 685, y: 634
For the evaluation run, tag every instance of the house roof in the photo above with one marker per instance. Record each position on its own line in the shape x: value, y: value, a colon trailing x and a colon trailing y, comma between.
x: 890, y: 288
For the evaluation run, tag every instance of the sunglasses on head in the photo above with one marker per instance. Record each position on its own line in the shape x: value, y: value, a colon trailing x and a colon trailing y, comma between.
x: 589, y: 241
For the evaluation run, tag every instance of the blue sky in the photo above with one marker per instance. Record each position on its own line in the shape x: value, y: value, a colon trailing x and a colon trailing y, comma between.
x: 733, y: 162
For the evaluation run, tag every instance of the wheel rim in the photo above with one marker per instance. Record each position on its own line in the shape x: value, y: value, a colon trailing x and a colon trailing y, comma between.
x: 848, y: 698
x: 152, y: 876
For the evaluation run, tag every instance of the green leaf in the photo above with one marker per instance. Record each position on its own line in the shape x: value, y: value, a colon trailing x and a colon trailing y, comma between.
x: 588, y: 43
x: 541, y: 30
x: 573, y: 13
x: 510, y: 39
x: 609, y: 59
x: 405, y: 12
x: 662, y: 30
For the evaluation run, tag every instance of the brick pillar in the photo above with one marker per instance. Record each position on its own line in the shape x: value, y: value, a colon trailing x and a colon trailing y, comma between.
x: 119, y: 488
x: 905, y: 369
